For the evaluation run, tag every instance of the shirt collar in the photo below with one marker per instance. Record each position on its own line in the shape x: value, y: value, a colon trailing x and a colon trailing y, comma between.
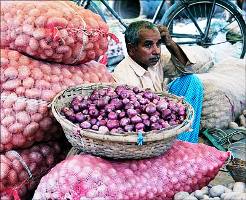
x: 136, y: 67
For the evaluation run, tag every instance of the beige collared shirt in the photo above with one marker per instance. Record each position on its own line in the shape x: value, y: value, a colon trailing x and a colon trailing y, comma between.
x: 130, y: 73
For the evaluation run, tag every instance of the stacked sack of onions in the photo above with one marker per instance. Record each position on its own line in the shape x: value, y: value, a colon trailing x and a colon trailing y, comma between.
x: 45, y: 47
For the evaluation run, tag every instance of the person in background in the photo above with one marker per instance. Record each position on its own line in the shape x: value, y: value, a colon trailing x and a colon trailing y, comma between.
x: 154, y: 56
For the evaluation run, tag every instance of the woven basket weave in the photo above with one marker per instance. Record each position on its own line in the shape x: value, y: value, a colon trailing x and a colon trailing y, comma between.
x: 116, y: 146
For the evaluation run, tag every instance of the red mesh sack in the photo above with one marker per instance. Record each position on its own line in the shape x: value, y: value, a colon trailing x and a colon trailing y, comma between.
x: 41, y: 80
x: 58, y: 31
x: 184, y: 167
x: 22, y: 170
x: 25, y: 121
x: 27, y: 87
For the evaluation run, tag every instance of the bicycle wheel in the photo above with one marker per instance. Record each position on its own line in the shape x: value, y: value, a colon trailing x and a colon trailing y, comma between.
x: 188, y: 23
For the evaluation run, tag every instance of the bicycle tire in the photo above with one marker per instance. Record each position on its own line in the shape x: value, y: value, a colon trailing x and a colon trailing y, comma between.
x: 173, y: 13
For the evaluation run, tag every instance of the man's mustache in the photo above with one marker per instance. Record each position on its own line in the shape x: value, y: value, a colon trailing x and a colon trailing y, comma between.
x: 154, y: 58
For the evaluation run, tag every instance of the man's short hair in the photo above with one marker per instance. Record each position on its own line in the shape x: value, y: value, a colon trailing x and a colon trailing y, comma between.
x: 133, y: 30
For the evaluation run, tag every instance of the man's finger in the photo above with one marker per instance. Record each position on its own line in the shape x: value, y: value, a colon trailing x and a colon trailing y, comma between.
x: 162, y: 28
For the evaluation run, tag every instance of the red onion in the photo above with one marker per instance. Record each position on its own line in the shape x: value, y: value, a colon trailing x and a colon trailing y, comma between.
x: 70, y: 116
x: 80, y: 117
x: 112, y: 124
x: 148, y: 94
x: 85, y: 112
x: 94, y: 96
x: 109, y: 107
x: 146, y: 122
x: 103, y: 129
x: 83, y: 105
x: 136, y: 90
x: 94, y: 112
x: 165, y: 113
x: 136, y: 104
x: 101, y: 103
x: 102, y: 92
x: 112, y: 115
x: 144, y: 116
x: 129, y: 106
x: 76, y: 108
x: 124, y: 121
x: 120, y: 88
x: 93, y: 121
x: 94, y: 127
x: 154, y: 119
x: 85, y: 125
x: 122, y: 114
x: 131, y: 112
x: 125, y: 101
x: 162, y: 105
x: 139, y: 126
x: 150, y: 108
x: 136, y: 119
x: 129, y: 128
x: 143, y: 101
x: 102, y: 122
x: 156, y: 126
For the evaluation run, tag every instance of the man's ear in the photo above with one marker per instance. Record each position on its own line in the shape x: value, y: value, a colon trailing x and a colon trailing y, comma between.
x: 131, y: 49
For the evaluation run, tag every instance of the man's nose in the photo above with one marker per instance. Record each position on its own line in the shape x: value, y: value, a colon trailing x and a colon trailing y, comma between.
x: 156, y: 50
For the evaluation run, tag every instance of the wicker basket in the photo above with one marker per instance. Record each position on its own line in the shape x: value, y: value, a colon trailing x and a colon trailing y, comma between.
x: 237, y: 169
x: 117, y: 146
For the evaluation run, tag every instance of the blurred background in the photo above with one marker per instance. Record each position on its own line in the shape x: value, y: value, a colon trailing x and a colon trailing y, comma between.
x: 132, y: 10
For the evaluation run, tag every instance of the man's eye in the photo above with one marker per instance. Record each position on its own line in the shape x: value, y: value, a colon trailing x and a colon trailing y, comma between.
x: 148, y: 46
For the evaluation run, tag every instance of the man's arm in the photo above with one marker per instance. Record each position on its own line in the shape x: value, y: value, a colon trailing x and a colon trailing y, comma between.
x: 173, y: 48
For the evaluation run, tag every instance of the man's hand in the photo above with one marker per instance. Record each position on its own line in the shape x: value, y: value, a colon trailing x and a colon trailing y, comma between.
x: 172, y: 47
x: 165, y: 35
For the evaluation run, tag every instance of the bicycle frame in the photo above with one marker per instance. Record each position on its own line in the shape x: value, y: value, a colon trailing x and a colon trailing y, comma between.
x: 108, y: 7
x: 116, y: 15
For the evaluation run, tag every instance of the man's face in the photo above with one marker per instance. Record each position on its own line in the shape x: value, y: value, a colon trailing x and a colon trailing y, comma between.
x: 147, y: 52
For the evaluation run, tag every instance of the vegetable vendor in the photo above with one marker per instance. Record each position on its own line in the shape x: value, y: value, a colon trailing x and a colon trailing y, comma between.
x: 148, y: 63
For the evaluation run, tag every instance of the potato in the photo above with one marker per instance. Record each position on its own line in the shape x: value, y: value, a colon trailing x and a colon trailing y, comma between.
x: 190, y: 197
x: 181, y: 195
x: 217, y: 190
x: 242, y: 120
x: 233, y: 196
x: 205, y: 190
x: 233, y: 125
x: 228, y: 190
x: 239, y: 187
x: 199, y: 194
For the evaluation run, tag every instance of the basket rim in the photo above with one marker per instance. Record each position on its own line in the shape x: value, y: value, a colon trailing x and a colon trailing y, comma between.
x: 130, y: 137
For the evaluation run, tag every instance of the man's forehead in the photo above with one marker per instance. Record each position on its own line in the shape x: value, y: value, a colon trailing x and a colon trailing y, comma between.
x: 149, y: 34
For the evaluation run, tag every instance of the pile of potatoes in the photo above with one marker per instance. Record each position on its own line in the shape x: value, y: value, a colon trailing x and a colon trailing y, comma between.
x: 241, y: 124
x: 235, y: 191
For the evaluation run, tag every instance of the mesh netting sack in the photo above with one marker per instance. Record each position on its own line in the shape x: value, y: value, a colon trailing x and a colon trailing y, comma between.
x: 58, y: 31
x: 22, y: 170
x: 41, y: 80
x: 27, y: 87
x: 224, y: 93
x: 25, y: 121
x: 184, y: 167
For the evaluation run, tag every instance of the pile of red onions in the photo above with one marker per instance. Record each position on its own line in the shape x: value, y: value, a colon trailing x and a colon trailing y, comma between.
x: 124, y: 109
